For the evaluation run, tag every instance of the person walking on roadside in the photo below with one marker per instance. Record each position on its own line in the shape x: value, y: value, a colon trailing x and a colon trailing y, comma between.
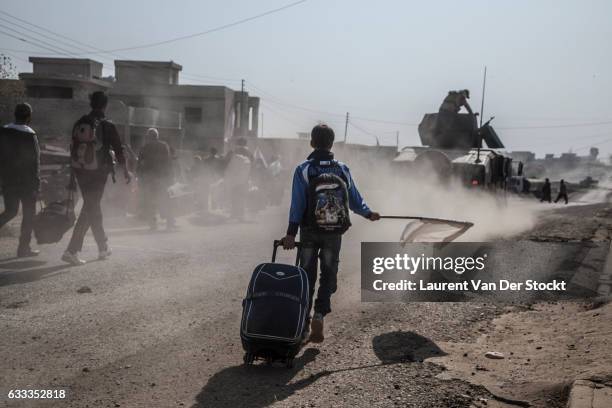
x: 93, y: 139
x: 562, y: 192
x: 210, y: 175
x: 19, y: 174
x: 546, y: 191
x: 156, y: 174
x: 323, y: 192
x: 237, y: 175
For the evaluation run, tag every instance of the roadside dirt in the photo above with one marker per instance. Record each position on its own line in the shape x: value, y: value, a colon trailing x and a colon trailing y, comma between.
x: 544, y: 349
x: 545, y: 346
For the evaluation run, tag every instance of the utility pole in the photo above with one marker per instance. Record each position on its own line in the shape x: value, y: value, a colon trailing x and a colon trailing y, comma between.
x: 397, y: 140
x: 484, y: 84
x: 346, y: 127
x: 242, y: 87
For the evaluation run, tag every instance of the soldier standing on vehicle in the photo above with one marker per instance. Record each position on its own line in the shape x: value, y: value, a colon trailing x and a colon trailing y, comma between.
x: 455, y: 100
x: 448, y: 113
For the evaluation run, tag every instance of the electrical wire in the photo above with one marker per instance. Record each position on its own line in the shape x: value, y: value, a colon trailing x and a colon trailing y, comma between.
x: 206, y: 32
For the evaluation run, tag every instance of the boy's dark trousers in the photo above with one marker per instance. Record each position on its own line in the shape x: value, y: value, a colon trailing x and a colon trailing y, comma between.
x: 326, y: 248
x: 13, y: 195
x: 92, y: 185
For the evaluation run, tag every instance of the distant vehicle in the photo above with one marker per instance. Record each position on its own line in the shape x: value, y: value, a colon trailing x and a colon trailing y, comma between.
x: 454, y: 149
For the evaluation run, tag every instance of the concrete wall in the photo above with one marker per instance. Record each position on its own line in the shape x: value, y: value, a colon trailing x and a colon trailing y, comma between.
x: 86, y: 69
x: 216, y: 104
x: 140, y: 74
x: 52, y: 119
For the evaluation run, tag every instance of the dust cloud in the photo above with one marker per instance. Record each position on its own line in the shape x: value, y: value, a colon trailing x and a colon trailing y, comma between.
x: 391, y: 191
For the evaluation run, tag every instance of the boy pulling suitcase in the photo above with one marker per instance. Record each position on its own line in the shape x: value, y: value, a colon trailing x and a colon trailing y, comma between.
x: 322, y: 194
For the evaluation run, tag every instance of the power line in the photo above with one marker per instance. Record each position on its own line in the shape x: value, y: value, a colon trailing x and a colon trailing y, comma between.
x: 53, y: 33
x: 70, y: 52
x: 38, y: 33
x: 571, y: 125
x: 30, y: 42
x: 24, y: 36
x: 63, y: 51
x: 210, y: 31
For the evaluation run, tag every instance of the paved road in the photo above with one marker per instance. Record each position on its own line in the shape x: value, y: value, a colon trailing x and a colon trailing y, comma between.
x: 160, y: 328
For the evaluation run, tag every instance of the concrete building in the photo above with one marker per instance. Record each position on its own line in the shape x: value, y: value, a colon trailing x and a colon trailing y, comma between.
x: 144, y: 94
x: 58, y: 90
x: 64, y: 78
x: 211, y: 115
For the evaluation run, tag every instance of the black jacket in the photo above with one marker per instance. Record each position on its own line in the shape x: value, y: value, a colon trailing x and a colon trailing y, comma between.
x: 19, y: 157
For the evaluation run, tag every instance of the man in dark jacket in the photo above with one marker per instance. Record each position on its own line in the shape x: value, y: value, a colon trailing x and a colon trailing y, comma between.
x: 92, y: 181
x: 156, y: 174
x: 19, y: 172
x: 562, y: 191
x: 546, y: 191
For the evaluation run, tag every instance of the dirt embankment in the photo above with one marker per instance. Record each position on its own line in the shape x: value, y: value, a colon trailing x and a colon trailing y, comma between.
x: 546, y: 346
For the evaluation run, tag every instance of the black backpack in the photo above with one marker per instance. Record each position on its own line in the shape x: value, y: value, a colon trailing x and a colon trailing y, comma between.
x: 328, y: 203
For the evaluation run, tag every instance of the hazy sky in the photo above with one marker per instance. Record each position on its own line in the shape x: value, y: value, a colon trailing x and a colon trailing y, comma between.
x: 549, y: 62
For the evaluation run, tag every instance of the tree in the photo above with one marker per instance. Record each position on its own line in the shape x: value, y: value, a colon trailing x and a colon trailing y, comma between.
x: 8, y: 70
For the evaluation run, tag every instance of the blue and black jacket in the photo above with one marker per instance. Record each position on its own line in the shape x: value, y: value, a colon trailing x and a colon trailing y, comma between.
x: 319, y: 162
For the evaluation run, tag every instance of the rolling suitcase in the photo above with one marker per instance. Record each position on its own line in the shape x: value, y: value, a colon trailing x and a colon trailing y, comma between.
x: 274, y: 311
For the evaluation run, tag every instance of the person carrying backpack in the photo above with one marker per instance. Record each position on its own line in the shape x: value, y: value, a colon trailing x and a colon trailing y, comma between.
x: 93, y: 138
x: 19, y: 171
x: 322, y: 194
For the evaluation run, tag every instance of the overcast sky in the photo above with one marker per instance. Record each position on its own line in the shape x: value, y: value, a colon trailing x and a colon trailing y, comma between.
x: 549, y: 62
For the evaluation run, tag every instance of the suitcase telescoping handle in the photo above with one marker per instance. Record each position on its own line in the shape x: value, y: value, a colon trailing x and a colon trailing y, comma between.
x: 278, y: 243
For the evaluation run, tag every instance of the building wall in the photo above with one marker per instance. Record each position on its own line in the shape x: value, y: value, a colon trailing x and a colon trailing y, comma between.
x: 141, y: 74
x: 68, y: 68
x: 206, y: 111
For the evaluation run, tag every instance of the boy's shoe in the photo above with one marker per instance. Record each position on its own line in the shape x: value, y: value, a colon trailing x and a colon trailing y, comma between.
x: 72, y: 259
x: 316, y: 329
x: 102, y: 255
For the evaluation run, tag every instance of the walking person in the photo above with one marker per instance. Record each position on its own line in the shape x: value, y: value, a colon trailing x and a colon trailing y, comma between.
x: 546, y: 191
x: 319, y: 208
x: 19, y: 174
x: 156, y: 175
x: 237, y: 175
x: 210, y: 175
x: 93, y: 139
x: 562, y: 192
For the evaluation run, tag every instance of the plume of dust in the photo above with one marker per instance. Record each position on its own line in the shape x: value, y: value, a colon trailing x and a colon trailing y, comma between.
x: 392, y: 192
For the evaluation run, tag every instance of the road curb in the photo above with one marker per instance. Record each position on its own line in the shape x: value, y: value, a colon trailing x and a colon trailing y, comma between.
x: 590, y: 394
x: 605, y: 279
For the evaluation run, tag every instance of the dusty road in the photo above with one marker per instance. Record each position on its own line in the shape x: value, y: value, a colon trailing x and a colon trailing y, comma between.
x: 156, y: 325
